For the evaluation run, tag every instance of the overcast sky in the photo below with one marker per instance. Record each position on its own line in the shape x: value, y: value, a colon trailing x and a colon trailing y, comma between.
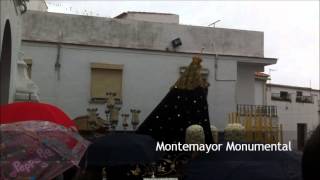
x: 291, y: 28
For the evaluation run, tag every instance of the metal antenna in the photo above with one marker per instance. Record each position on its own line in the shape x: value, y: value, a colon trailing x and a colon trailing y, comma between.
x: 213, y: 43
x: 214, y: 23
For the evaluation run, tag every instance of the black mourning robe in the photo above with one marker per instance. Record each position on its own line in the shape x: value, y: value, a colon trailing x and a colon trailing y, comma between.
x: 176, y: 112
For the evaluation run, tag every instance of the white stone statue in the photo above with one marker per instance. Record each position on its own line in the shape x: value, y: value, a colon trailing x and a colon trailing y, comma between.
x: 26, y: 89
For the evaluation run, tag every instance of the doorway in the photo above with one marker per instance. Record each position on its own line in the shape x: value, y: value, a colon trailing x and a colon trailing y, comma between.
x: 5, y: 64
x: 302, y: 135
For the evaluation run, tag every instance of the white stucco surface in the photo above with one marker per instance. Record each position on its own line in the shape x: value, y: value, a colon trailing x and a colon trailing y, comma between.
x: 151, y: 17
x: 246, y: 83
x: 149, y: 69
x: 147, y: 77
x: 100, y: 31
x: 8, y: 13
x: 37, y: 5
x: 259, y: 92
x: 292, y: 113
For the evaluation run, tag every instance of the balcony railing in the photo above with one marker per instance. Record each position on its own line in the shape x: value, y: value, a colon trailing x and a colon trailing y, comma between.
x: 279, y: 97
x: 262, y: 110
x: 304, y: 99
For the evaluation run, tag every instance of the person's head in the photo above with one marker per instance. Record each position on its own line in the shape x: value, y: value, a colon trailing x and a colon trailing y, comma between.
x: 195, y: 134
x: 311, y: 157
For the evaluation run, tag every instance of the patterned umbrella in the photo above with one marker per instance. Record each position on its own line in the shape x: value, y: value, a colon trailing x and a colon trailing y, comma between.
x: 38, y: 150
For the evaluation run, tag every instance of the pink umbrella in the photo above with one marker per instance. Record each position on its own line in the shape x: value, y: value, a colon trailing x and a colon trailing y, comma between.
x: 38, y: 149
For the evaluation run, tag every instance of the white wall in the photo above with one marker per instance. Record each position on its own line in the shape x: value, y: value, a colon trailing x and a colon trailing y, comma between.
x: 246, y: 83
x: 37, y: 5
x: 224, y: 90
x: 147, y: 77
x: 9, y: 13
x: 100, y: 31
x: 259, y: 92
x: 292, y: 113
x: 152, y: 17
x: 149, y: 68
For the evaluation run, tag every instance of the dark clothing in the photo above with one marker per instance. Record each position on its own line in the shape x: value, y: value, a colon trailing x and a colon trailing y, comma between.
x: 311, y: 157
x: 175, y: 113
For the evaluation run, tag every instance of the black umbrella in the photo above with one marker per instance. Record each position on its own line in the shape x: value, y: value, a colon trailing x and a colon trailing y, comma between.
x: 121, y: 149
x: 243, y: 165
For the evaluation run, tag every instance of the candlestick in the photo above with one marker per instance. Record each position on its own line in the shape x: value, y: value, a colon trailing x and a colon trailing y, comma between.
x: 125, y: 121
x: 113, y: 106
x: 135, y: 118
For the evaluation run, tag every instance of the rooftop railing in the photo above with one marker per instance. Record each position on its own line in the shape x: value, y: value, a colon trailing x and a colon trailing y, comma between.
x: 262, y: 110
x: 280, y: 97
x: 304, y: 99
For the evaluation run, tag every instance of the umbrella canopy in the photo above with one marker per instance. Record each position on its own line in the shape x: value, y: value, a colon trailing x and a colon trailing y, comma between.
x: 243, y: 165
x: 120, y: 149
x: 26, y: 111
x: 38, y: 150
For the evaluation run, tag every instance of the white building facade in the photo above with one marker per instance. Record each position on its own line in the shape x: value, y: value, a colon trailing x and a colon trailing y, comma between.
x: 10, y: 40
x: 296, y: 106
x: 149, y: 17
x: 14, y: 84
x: 69, y: 53
x: 37, y: 5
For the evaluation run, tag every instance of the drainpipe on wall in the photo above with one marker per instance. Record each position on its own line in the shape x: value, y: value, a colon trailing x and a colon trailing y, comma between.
x: 57, y: 65
x: 216, y: 59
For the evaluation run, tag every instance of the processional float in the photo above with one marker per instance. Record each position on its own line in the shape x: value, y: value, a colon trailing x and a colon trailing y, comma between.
x: 254, y: 124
